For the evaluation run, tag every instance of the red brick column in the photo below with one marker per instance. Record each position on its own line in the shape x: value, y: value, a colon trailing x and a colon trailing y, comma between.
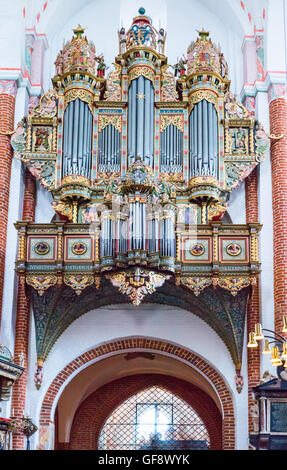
x: 253, y: 315
x: 7, y: 108
x: 278, y: 126
x: 23, y: 317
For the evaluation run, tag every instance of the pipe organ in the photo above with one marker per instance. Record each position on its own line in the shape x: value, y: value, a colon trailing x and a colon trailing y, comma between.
x: 140, y: 166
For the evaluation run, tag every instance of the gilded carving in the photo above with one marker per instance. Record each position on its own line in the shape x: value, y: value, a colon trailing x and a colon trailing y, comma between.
x: 203, y: 95
x: 47, y: 105
x: 168, y: 88
x: 167, y: 120
x: 235, y: 284
x: 106, y: 119
x: 137, y: 71
x: 196, y: 284
x: 114, y: 88
x: 79, y: 282
x: 136, y: 285
x: 41, y: 282
x: 80, y: 93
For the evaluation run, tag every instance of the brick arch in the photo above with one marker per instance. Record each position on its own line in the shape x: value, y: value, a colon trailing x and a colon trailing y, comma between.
x: 96, y: 409
x: 157, y: 345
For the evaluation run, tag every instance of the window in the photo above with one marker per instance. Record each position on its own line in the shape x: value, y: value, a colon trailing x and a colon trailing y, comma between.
x: 154, y: 419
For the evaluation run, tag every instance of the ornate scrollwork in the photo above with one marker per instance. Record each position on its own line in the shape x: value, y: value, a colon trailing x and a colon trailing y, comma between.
x: 44, y: 171
x: 83, y: 95
x: 106, y: 119
x: 203, y: 95
x: 216, y: 211
x: 137, y: 71
x: 63, y: 208
x: 234, y: 284
x: 176, y: 120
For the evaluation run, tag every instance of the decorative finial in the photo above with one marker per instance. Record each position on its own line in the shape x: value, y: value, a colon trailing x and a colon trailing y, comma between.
x: 142, y: 11
x: 203, y: 34
x: 79, y: 31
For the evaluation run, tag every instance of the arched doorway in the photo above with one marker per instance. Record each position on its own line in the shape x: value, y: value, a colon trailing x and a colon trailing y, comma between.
x: 92, y: 376
x: 154, y: 419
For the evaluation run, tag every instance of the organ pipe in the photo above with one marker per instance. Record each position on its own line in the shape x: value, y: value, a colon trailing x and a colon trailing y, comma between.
x: 171, y: 150
x: 109, y: 150
x: 77, y: 145
x: 203, y: 140
x: 141, y: 121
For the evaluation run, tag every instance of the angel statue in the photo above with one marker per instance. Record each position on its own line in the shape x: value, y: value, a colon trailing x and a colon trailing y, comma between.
x: 47, y: 104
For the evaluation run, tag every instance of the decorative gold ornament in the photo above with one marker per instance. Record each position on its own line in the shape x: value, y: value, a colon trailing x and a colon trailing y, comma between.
x: 82, y: 94
x: 196, y: 284
x: 137, y: 284
x: 79, y: 282
x: 168, y: 87
x: 235, y: 284
x: 106, y: 119
x: 47, y: 105
x: 216, y: 211
x: 167, y: 120
x: 203, y: 95
x: 144, y: 71
x: 64, y: 208
x: 113, y: 86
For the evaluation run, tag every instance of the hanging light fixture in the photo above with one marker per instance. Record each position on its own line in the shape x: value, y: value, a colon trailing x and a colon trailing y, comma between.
x: 275, y: 359
x: 252, y: 341
x: 284, y: 324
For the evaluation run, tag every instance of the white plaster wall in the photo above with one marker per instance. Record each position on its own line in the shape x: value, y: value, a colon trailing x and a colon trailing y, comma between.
x: 275, y: 54
x: 237, y: 208
x: 167, y: 323
x: 266, y: 235
x: 12, y: 34
x: 44, y: 211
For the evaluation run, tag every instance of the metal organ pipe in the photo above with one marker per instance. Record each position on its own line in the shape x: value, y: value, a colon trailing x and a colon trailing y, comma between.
x: 109, y: 150
x: 171, y: 150
x: 203, y: 140
x: 77, y: 145
x: 141, y: 121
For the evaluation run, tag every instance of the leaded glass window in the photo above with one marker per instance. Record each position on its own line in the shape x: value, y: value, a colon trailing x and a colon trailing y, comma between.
x: 154, y: 419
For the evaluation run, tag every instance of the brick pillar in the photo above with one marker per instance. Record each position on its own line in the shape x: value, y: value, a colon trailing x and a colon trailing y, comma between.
x: 23, y: 317
x: 278, y: 126
x: 253, y: 315
x: 7, y: 108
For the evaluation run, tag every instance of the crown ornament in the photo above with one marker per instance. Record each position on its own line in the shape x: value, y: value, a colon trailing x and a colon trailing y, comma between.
x: 204, y: 56
x: 77, y: 54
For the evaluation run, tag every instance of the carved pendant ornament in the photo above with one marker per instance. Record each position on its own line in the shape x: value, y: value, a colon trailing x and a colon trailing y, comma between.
x: 136, y: 285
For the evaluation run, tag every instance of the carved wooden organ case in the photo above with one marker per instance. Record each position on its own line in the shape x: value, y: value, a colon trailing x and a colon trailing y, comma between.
x: 141, y: 166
